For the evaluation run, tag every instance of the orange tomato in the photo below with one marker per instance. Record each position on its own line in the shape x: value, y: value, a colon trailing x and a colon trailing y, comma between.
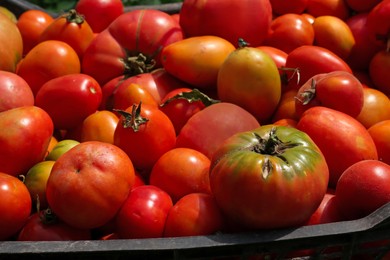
x: 286, y: 107
x: 380, y: 133
x: 376, y: 107
x: 11, y: 44
x: 99, y: 126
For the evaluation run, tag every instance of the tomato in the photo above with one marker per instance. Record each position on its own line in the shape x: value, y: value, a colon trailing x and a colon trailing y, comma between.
x: 339, y: 90
x: 379, y: 68
x: 8, y: 13
x: 18, y: 127
x: 284, y: 173
x: 46, y: 61
x: 376, y: 107
x: 286, y: 122
x: 44, y: 226
x: 52, y: 144
x: 380, y: 133
x: 130, y: 45
x: 93, y: 179
x: 31, y: 23
x: 182, y: 103
x: 60, y: 148
x: 251, y: 22
x: 333, y: 34
x: 249, y: 78
x: 362, y: 6
x: 72, y: 28
x: 327, y: 212
x: 286, y: 107
x: 181, y: 171
x: 195, y: 214
x: 99, y: 13
x: 11, y: 44
x: 280, y: 7
x: 69, y: 99
x: 277, y: 55
x: 337, y: 8
x: 289, y: 31
x: 362, y: 188
x: 222, y: 119
x: 196, y: 60
x: 144, y: 133
x: 342, y: 139
x: 144, y: 213
x: 15, y: 92
x: 311, y: 60
x: 99, y: 126
x: 35, y: 181
x: 378, y: 23
x: 364, y: 49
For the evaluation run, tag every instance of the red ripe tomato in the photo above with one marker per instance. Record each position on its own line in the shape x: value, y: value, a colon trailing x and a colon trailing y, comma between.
x: 249, y: 78
x: 18, y: 127
x: 100, y: 13
x: 379, y: 68
x: 311, y: 60
x: 131, y: 45
x: 15, y: 205
x: 327, y: 212
x: 46, y: 61
x: 278, y: 174
x: 144, y: 133
x: 72, y: 28
x: 69, y: 99
x: 339, y: 90
x: 181, y: 171
x: 333, y: 34
x: 380, y: 133
x: 362, y: 6
x: 31, y: 23
x: 93, y: 179
x: 337, y: 8
x: 342, y: 139
x: 15, y: 92
x: 44, y: 226
x: 378, y: 23
x: 182, y: 103
x: 278, y: 56
x: 280, y: 7
x: 222, y: 119
x: 289, y: 31
x: 11, y: 44
x: 144, y: 213
x: 195, y: 214
x: 362, y: 188
x: 251, y: 21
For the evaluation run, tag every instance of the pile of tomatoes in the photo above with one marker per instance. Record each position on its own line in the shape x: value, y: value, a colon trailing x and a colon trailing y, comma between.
x: 227, y: 116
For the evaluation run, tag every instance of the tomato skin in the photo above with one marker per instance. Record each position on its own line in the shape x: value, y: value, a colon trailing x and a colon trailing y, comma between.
x: 251, y: 22
x: 378, y: 23
x: 31, y: 23
x: 376, y: 107
x: 362, y: 6
x: 379, y: 71
x: 337, y: 8
x: 36, y: 229
x: 380, y: 133
x: 195, y: 214
x: 15, y: 205
x: 249, y: 78
x: 342, y: 139
x: 11, y: 46
x: 181, y: 171
x: 362, y: 188
x: 69, y: 99
x: 81, y: 180
x: 18, y: 127
x: 327, y: 212
x: 140, y: 31
x: 152, y: 139
x: 281, y: 7
x: 99, y: 126
x: 71, y: 28
x: 278, y: 56
x: 15, y: 92
x: 100, y: 13
x: 196, y: 60
x: 289, y: 31
x: 46, y: 61
x: 144, y: 213
x: 275, y: 195
x: 286, y: 108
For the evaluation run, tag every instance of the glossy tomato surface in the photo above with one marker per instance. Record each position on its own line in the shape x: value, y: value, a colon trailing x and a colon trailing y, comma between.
x: 11, y: 45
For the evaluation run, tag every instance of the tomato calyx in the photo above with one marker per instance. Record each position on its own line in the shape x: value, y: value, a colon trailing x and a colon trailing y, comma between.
x: 47, y: 217
x: 242, y: 43
x: 135, y: 64
x: 307, y: 95
x: 285, y: 78
x: 133, y: 119
x: 192, y: 96
x: 72, y: 16
x: 271, y: 144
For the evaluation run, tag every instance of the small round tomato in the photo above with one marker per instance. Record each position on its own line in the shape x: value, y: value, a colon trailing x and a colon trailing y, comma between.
x: 195, y: 214
x: 31, y: 23
x: 99, y: 126
x: 380, y: 133
x: 181, y: 171
x: 69, y: 99
x: 46, y: 61
x: 144, y: 213
x: 15, y: 92
x: 15, y: 205
x: 362, y: 188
